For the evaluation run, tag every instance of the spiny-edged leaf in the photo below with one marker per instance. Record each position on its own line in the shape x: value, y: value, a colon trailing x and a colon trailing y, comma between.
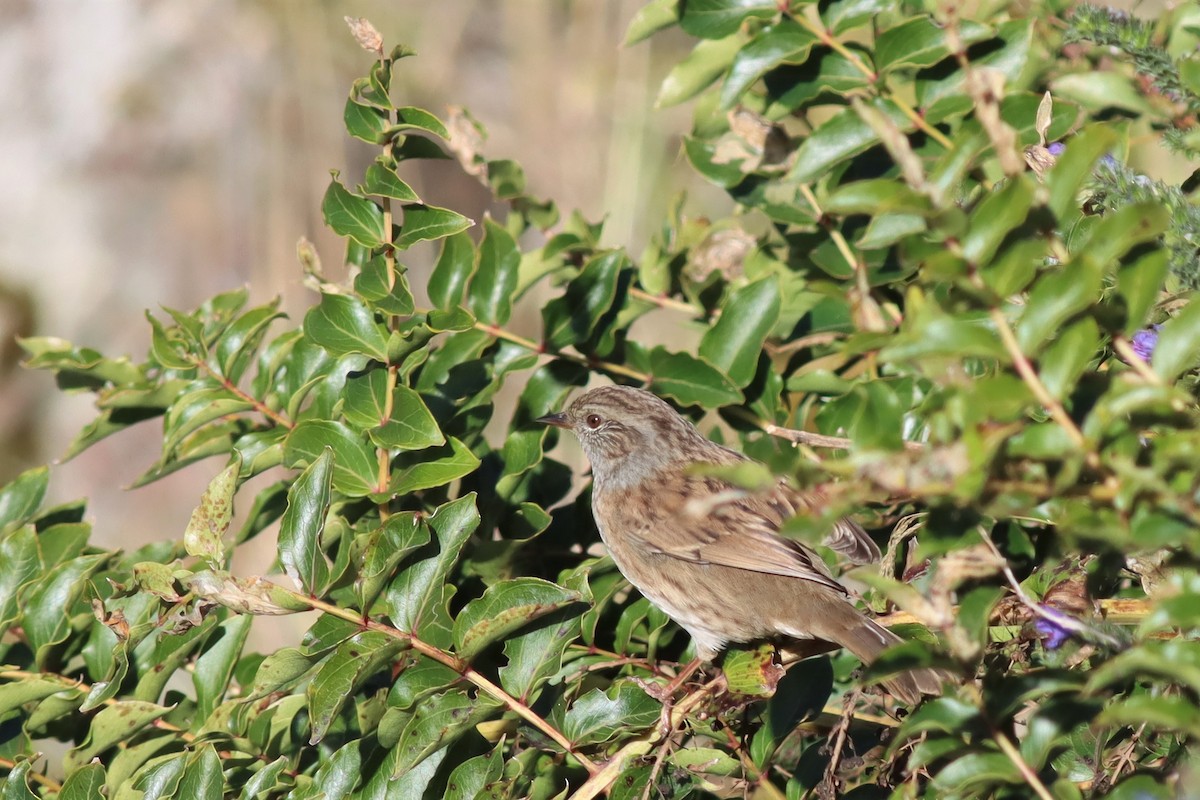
x: 210, y: 520
x: 842, y: 136
x: 353, y: 215
x: 354, y: 660
x: 600, y: 715
x: 85, y: 783
x: 48, y: 604
x: 571, y: 318
x: 303, y: 522
x: 448, y: 463
x: 697, y: 71
x: 735, y: 342
x: 712, y: 19
x: 214, y: 668
x: 22, y: 496
x: 437, y: 723
x: 494, y: 283
x: 690, y: 380
x: 114, y: 724
x: 343, y: 324
x: 19, y: 555
x: 382, y: 180
x: 1178, y: 345
x: 422, y: 223
x: 418, y: 587
x: 505, y: 607
x: 453, y: 269
x: 411, y: 425
x: 784, y: 42
x: 354, y: 465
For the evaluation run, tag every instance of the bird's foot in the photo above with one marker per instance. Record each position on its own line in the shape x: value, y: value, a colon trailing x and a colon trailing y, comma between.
x: 665, y: 693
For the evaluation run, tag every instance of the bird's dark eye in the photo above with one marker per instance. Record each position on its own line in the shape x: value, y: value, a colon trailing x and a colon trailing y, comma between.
x: 593, y: 421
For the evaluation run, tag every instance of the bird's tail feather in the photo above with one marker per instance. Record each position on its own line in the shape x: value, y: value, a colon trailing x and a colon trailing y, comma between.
x: 866, y: 639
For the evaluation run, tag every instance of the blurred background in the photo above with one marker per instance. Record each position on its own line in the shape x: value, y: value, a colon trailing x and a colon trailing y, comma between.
x: 156, y: 153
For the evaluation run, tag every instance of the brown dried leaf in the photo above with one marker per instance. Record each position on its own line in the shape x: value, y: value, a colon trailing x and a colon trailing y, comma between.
x: 466, y: 141
x: 721, y: 251
x: 366, y: 35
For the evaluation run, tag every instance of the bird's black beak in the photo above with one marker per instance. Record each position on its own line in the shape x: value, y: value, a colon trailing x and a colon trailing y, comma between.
x: 558, y: 420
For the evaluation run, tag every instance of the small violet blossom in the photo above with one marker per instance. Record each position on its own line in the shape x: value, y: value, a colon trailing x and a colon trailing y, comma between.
x: 1144, y: 341
x: 1053, y: 634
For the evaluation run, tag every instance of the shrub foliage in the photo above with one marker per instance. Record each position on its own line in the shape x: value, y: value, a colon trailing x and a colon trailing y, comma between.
x: 948, y: 299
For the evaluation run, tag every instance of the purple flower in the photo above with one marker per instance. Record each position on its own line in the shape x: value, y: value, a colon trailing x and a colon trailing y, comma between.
x: 1144, y: 342
x: 1053, y: 634
x: 1056, y: 148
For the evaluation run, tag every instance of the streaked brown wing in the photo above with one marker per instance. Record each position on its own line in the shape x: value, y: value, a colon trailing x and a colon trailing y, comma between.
x: 847, y: 539
x: 731, y: 528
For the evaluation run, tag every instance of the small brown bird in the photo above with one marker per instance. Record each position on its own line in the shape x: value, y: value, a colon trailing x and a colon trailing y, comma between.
x: 708, y: 553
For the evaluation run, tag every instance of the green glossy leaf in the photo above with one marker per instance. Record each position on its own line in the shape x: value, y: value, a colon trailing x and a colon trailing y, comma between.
x: 1055, y: 299
x: 48, y: 603
x: 364, y: 122
x: 202, y: 777
x: 999, y: 214
x: 112, y: 725
x: 841, y: 137
x: 690, y: 380
x: 844, y: 15
x: 22, y: 496
x: 343, y: 324
x: 600, y: 715
x: 376, y: 554
x: 353, y: 215
x: 382, y: 180
x: 422, y: 223
x: 1178, y: 347
x: 453, y: 269
x: 494, y: 283
x: 921, y: 42
x: 469, y: 778
x: 214, y: 668
x: 414, y: 592
x: 784, y: 42
x: 506, y: 607
x: 651, y: 18
x: 734, y: 344
x: 437, y: 723
x: 300, y: 551
x: 352, y: 662
x: 695, y: 73
x: 19, y: 555
x: 571, y: 318
x: 713, y: 19
x: 535, y: 656
x: 85, y: 783
x: 354, y: 464
x: 411, y: 425
x: 448, y: 463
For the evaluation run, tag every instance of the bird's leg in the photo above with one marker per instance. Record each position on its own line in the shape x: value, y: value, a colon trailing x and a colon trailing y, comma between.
x: 665, y: 694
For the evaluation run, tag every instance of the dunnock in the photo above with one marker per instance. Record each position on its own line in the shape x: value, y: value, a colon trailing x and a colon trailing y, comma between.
x: 708, y: 553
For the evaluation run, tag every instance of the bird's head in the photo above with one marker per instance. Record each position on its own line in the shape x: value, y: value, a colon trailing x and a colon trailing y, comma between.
x: 627, y: 433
